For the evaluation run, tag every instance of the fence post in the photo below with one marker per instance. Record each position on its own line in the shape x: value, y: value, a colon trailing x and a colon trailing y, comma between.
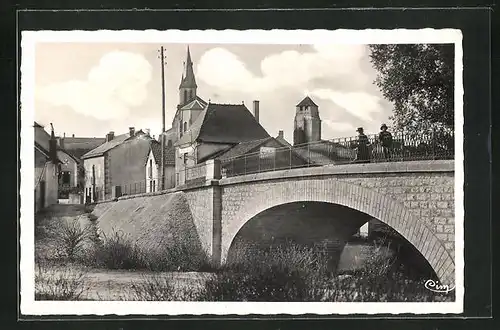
x: 274, y: 160
x: 433, y: 137
x: 308, y: 155
x: 258, y: 161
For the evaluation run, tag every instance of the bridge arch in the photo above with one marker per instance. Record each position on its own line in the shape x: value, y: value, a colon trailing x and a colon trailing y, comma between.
x: 334, y: 191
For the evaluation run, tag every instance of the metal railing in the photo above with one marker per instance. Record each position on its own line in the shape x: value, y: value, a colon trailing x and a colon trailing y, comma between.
x: 149, y: 184
x: 191, y: 174
x: 404, y: 147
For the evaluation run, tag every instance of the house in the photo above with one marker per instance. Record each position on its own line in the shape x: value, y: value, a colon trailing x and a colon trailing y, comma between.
x: 218, y: 128
x: 75, y: 148
x: 117, y: 166
x: 79, y: 146
x: 258, y: 156
x: 281, y: 139
x: 46, y: 168
x: 68, y: 173
x: 152, y: 167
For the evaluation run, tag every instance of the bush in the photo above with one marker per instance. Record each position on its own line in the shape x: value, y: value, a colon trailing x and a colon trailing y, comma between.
x: 292, y: 273
x: 177, y: 255
x: 283, y: 273
x: 118, y: 252
x: 69, y: 238
x: 60, y: 284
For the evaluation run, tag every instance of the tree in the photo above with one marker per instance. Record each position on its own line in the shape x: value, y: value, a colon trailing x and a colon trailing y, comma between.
x: 419, y: 80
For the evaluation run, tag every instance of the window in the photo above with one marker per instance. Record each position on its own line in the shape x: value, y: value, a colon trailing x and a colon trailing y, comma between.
x: 169, y: 143
x: 266, y: 152
x: 185, y: 157
x: 185, y: 96
x: 185, y: 126
x: 66, y: 177
x: 154, y: 185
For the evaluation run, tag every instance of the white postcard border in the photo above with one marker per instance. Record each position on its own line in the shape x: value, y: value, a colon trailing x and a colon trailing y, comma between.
x: 370, y: 36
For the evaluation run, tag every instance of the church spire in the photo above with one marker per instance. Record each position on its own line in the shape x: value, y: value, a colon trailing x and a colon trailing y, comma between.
x: 188, y: 80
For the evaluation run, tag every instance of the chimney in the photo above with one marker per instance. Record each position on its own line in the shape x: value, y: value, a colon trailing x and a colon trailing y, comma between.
x: 147, y: 131
x: 110, y: 136
x: 60, y: 142
x: 52, y: 145
x: 256, y: 110
x: 131, y: 131
x: 280, y: 134
x: 73, y: 135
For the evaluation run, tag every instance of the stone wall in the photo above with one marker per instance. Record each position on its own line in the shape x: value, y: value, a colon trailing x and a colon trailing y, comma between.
x: 415, y: 199
x: 201, y: 201
x: 152, y: 222
x: 429, y: 196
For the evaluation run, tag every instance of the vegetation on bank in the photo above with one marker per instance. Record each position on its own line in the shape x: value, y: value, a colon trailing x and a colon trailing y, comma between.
x: 288, y: 272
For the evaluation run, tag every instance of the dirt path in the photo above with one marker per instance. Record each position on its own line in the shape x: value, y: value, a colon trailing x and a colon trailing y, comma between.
x: 117, y: 284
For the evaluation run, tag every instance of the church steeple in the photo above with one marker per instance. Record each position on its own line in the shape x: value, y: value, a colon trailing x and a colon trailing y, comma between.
x: 187, y: 87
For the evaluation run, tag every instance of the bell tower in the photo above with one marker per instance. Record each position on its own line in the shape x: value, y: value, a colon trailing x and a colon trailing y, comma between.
x: 307, y: 124
x: 187, y: 87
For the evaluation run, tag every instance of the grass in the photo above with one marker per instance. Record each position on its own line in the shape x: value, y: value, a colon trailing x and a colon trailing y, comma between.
x: 60, y: 284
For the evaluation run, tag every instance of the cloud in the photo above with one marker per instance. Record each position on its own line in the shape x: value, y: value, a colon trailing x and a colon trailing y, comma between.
x: 117, y: 83
x: 359, y: 104
x: 222, y: 69
x: 338, y: 75
x: 338, y: 126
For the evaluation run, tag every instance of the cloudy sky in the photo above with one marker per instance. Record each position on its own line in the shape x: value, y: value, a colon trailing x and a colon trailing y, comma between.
x: 89, y: 89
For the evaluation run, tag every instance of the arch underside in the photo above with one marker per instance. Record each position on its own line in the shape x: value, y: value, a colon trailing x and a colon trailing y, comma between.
x: 368, y: 203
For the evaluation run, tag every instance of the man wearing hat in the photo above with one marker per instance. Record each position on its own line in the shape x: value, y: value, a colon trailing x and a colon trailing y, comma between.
x: 385, y: 139
x: 363, y: 154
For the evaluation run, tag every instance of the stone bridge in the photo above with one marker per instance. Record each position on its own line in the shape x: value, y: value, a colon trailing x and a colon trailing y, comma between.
x: 414, y: 198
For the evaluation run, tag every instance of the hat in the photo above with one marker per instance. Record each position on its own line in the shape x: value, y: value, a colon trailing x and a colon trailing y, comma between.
x: 359, y: 129
x: 383, y: 126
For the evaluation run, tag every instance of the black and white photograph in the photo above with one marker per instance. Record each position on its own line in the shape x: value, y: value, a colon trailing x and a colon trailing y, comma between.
x: 242, y: 172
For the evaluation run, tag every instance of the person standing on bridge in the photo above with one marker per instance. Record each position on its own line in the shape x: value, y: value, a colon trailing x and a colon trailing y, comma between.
x: 385, y: 139
x: 362, y: 147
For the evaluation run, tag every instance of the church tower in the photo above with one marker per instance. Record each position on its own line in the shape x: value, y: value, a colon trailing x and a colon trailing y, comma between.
x: 307, y: 125
x: 187, y: 88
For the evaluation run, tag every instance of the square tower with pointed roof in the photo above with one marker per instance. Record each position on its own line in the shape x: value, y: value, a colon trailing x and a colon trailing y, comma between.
x: 307, y: 124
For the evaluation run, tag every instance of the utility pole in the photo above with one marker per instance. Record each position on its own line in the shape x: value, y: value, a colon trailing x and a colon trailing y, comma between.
x: 161, y: 184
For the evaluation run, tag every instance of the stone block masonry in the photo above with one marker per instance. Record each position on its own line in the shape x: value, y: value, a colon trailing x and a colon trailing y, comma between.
x: 416, y: 199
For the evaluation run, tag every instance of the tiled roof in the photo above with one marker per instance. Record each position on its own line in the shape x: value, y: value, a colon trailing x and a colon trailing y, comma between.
x: 306, y: 101
x: 45, y: 152
x: 168, y: 155
x: 78, y: 146
x: 325, y: 152
x: 69, y: 154
x: 197, y: 104
x: 242, y: 148
x: 224, y: 123
x: 282, y: 141
x: 100, y: 150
